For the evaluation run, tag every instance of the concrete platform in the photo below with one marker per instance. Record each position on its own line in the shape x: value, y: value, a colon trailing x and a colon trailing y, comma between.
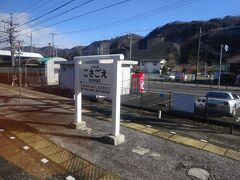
x: 42, y: 123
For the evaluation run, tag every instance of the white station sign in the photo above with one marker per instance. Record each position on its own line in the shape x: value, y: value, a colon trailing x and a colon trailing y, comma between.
x: 96, y: 79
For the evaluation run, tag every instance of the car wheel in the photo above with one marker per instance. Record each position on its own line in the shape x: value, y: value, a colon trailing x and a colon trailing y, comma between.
x: 234, y: 111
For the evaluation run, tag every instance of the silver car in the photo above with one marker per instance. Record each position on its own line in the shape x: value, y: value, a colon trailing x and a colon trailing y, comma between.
x: 221, y: 101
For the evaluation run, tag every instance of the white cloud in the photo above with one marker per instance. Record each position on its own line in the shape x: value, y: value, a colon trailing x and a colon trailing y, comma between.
x: 40, y: 37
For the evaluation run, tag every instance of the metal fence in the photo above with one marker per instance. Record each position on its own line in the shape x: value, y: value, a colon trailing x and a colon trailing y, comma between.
x: 27, y: 76
x: 207, y: 82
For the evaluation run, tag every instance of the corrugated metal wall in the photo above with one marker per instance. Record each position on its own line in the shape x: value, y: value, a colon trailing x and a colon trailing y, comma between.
x: 183, y: 102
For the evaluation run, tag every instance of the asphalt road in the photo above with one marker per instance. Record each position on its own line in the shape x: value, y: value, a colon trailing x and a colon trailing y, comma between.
x: 190, y: 89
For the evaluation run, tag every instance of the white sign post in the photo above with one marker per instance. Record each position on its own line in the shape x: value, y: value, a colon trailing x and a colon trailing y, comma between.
x: 99, y: 75
x: 78, y: 123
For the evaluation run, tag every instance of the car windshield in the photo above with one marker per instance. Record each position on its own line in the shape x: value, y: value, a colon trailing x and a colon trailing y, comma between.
x: 219, y: 95
x: 235, y: 96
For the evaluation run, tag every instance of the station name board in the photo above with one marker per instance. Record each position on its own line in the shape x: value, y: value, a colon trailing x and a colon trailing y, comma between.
x: 96, y: 79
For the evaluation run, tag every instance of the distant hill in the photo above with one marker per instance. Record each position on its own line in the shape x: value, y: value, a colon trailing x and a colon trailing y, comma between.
x: 176, y: 42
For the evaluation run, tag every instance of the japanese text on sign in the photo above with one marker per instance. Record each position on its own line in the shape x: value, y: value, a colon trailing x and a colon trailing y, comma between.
x: 96, y: 79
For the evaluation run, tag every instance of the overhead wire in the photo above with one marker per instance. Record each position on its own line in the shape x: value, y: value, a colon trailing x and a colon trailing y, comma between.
x: 44, y: 11
x: 33, y: 9
x: 139, y: 16
x: 78, y: 16
x: 60, y: 14
x: 30, y: 6
x: 47, y: 13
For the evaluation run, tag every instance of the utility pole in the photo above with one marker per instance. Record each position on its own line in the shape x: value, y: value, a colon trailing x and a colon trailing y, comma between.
x: 53, y: 50
x: 220, y: 63
x: 19, y: 52
x: 31, y: 42
x: 49, y: 48
x: 130, y: 46
x: 56, y: 52
x: 10, y: 30
x: 198, y: 53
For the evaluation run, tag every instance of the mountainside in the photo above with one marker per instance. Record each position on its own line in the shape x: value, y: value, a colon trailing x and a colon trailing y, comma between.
x: 176, y: 42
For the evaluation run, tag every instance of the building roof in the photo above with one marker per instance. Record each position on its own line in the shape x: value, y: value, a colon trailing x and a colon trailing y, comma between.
x: 153, y: 60
x: 45, y: 60
x: 234, y: 59
x: 23, y: 54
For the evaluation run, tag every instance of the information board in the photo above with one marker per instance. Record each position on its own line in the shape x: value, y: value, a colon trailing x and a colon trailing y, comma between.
x: 96, y: 79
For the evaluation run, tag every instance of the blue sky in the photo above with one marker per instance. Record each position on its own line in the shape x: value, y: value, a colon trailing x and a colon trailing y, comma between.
x: 98, y: 21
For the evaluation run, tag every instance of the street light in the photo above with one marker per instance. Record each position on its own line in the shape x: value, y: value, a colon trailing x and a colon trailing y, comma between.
x: 220, y: 62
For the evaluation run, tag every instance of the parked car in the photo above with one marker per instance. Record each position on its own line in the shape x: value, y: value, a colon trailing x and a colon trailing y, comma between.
x: 220, y: 101
x: 169, y: 77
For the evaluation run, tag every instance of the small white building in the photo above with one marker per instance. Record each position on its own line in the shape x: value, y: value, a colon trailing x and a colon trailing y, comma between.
x: 67, y: 73
x: 152, y: 65
x: 51, y: 69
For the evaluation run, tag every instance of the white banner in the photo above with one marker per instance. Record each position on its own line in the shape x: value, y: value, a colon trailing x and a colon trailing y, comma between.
x: 96, y: 79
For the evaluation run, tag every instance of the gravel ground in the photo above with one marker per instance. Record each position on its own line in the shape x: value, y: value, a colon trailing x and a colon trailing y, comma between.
x: 164, y: 159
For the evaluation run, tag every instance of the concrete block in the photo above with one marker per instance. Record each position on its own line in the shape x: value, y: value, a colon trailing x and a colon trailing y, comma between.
x: 78, y: 125
x: 115, y: 140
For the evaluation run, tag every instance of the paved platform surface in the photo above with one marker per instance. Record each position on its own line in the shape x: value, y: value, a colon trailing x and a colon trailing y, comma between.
x: 41, y: 123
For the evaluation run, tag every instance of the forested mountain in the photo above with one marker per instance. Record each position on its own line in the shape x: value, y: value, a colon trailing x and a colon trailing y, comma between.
x: 176, y: 41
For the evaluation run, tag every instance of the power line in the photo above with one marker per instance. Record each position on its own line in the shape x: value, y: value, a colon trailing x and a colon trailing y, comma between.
x: 139, y: 16
x: 59, y: 7
x: 49, y: 12
x: 32, y: 9
x: 30, y: 6
x: 75, y: 17
x: 61, y: 13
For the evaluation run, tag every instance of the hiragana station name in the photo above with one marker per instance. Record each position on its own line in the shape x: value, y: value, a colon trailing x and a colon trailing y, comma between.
x: 95, y: 72
x: 96, y: 79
